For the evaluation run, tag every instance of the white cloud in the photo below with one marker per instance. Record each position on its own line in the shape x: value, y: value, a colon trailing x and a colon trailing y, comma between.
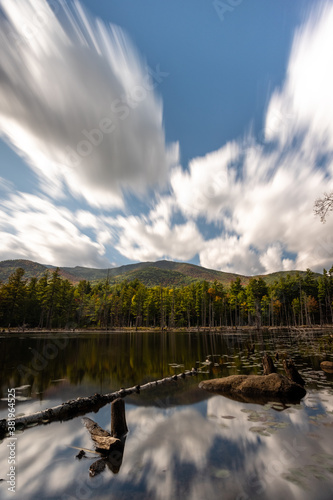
x: 206, y: 188
x: 144, y: 240
x: 305, y: 102
x: 258, y: 195
x: 32, y: 227
x: 231, y: 254
x: 78, y: 103
x: 273, y: 261
x: 263, y: 194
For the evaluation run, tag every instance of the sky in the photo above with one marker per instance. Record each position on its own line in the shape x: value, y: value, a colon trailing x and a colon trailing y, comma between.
x: 197, y: 131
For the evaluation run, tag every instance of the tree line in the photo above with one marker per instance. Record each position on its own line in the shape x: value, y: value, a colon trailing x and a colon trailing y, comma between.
x: 54, y: 302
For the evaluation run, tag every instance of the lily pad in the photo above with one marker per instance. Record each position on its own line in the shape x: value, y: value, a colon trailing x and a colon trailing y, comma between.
x: 281, y: 425
x: 222, y: 473
x: 256, y: 417
x: 271, y: 430
x: 260, y: 430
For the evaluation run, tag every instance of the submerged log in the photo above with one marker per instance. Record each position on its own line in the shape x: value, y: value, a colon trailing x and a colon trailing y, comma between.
x: 268, y: 364
x: 80, y: 406
x: 292, y: 372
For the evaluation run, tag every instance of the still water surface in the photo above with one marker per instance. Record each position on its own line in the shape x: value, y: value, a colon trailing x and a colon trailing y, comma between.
x: 183, y: 443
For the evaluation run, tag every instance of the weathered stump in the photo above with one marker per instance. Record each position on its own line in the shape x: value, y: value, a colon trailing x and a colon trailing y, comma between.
x: 118, y: 419
x: 110, y: 447
x: 268, y: 364
x: 292, y: 373
x: 250, y: 348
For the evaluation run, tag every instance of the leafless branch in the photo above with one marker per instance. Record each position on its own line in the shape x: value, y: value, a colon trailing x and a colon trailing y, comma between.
x: 323, y: 205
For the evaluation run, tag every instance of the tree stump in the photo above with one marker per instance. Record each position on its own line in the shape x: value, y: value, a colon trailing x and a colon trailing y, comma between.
x: 268, y: 364
x: 118, y: 419
x: 292, y: 373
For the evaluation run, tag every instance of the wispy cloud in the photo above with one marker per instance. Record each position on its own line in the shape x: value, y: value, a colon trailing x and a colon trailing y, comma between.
x: 33, y: 227
x: 79, y: 103
x: 81, y: 106
x: 262, y: 192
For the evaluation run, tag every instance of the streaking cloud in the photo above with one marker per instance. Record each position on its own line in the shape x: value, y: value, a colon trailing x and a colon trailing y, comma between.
x: 31, y: 227
x: 79, y: 104
x: 262, y: 192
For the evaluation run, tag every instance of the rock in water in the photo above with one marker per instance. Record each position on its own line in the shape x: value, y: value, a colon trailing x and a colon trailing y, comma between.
x: 255, y: 388
x: 327, y: 366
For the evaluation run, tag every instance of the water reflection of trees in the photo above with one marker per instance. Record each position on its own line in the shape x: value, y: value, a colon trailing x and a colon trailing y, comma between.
x: 111, y: 360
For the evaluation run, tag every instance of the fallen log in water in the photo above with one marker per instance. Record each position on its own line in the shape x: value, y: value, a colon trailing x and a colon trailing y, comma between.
x: 80, y: 406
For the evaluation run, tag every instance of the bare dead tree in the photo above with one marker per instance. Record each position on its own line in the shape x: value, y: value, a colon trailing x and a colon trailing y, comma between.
x: 323, y: 205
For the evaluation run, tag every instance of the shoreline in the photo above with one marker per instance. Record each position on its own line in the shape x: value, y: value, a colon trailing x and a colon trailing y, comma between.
x: 228, y: 330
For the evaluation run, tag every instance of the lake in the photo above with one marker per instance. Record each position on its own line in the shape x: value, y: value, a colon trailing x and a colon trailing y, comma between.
x: 183, y: 442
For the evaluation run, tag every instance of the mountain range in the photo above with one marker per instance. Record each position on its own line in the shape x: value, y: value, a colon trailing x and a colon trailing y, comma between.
x: 164, y: 273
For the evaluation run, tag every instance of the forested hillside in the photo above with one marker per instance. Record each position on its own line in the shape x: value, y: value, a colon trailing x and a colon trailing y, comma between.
x: 161, y: 273
x: 54, y: 302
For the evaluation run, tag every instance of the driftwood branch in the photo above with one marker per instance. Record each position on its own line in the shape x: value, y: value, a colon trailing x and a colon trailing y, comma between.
x: 102, y: 439
x: 81, y: 406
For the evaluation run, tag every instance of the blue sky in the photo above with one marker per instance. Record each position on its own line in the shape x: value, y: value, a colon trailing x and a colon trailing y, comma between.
x: 198, y: 131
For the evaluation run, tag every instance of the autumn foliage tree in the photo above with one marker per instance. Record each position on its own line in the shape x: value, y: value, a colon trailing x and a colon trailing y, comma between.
x: 53, y: 302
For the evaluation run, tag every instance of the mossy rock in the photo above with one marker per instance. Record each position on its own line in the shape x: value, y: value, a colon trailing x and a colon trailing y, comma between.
x: 256, y: 388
